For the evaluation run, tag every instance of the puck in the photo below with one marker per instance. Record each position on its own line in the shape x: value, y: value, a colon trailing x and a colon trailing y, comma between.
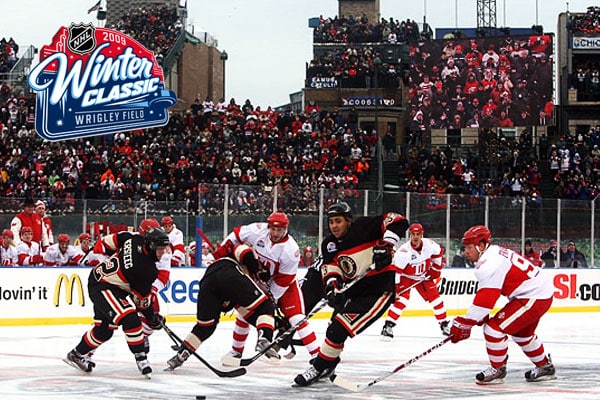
x: 200, y: 397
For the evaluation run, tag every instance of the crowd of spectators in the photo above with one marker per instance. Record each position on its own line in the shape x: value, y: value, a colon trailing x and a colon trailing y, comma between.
x: 502, y: 166
x: 239, y: 145
x: 297, y: 153
x: 587, y: 23
x: 497, y: 82
x: 8, y: 55
x: 359, y: 30
x: 155, y: 26
x: 353, y: 67
x: 586, y: 79
x: 359, y: 58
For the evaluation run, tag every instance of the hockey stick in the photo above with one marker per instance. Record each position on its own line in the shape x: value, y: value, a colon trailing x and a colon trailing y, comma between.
x: 346, y: 384
x: 234, y: 362
x: 223, y: 374
x: 206, y: 239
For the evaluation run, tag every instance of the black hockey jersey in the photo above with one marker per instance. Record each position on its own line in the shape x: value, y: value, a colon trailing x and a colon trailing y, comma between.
x: 132, y: 268
x: 354, y: 252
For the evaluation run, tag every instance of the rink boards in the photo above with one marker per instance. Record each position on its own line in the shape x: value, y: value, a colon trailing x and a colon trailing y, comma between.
x: 58, y: 295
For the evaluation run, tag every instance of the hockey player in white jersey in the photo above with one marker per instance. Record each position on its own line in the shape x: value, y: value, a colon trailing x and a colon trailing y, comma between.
x: 176, y: 240
x: 61, y: 253
x: 28, y: 250
x: 8, y: 251
x: 278, y: 252
x: 529, y: 290
x: 418, y: 260
x: 84, y: 251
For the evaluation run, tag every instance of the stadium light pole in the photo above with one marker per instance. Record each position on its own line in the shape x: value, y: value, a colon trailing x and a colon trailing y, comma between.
x: 224, y: 56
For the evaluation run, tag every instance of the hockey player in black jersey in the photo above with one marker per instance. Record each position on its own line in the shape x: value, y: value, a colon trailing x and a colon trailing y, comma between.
x: 227, y: 284
x: 351, y: 248
x: 118, y: 287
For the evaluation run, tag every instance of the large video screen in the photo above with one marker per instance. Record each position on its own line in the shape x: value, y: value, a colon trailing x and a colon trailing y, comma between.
x: 488, y: 82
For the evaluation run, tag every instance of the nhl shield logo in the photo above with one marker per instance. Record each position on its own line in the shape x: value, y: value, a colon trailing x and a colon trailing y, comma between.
x: 82, y: 38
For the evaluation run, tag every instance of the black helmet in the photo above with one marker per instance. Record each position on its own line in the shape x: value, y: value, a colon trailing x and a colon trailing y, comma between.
x: 341, y: 208
x: 156, y: 238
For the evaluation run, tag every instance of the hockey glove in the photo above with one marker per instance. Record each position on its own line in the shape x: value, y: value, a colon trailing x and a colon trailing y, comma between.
x: 37, y: 259
x: 461, y: 329
x: 223, y: 250
x: 155, y: 321
x: 434, y: 273
x: 250, y: 261
x: 382, y: 254
x: 263, y: 275
x: 335, y: 299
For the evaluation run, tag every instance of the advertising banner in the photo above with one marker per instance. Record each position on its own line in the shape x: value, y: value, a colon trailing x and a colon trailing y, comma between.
x: 46, y: 295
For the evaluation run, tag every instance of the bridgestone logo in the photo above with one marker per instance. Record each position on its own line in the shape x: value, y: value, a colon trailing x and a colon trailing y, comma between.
x: 450, y: 288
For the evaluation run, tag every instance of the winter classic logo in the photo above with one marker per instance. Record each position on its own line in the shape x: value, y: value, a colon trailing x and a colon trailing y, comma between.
x: 94, y: 81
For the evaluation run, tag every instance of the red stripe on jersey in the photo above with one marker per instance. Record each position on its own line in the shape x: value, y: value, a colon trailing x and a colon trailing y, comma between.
x: 486, y: 297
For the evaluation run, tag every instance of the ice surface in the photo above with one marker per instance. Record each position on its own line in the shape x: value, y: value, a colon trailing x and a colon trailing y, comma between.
x: 31, y: 366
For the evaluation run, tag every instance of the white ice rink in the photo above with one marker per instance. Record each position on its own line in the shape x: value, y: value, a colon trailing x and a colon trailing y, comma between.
x: 31, y: 366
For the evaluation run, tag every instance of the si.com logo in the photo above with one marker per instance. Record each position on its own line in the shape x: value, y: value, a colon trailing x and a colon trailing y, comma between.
x: 94, y: 81
x: 70, y: 284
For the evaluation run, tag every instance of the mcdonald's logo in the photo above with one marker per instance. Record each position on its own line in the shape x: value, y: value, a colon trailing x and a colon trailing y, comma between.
x: 69, y: 286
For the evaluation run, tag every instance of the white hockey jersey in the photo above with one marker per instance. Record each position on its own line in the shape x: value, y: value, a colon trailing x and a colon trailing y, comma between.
x: 177, y: 247
x: 415, y: 264
x: 280, y: 258
x: 8, y: 256
x: 27, y: 252
x: 55, y: 257
x: 502, y: 272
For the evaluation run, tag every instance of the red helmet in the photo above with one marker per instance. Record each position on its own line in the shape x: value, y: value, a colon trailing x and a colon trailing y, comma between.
x: 147, y: 225
x: 278, y: 220
x: 85, y: 236
x: 167, y: 220
x: 477, y: 234
x: 9, y: 233
x: 26, y: 229
x: 416, y: 228
x: 192, y: 247
x: 63, y: 237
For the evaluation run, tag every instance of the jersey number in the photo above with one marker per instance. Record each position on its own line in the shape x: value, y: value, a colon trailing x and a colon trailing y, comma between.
x: 521, y: 263
x: 106, y: 268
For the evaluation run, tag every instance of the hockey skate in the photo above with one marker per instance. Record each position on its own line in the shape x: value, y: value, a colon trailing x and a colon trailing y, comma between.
x: 271, y: 356
x: 544, y: 373
x: 387, y: 333
x: 491, y: 376
x: 143, y: 364
x: 79, y: 361
x: 177, y: 360
x: 227, y: 361
x: 445, y: 327
x: 311, y: 376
